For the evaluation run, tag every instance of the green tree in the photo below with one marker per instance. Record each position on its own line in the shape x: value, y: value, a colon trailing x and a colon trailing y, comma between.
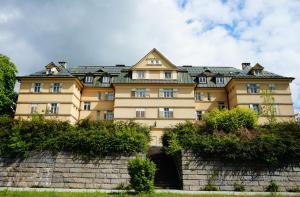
x: 8, y: 73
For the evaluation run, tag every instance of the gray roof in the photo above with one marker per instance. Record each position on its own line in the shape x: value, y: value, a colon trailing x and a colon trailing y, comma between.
x: 186, y: 75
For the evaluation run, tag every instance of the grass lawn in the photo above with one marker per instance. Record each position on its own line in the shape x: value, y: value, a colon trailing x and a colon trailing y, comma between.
x: 96, y: 194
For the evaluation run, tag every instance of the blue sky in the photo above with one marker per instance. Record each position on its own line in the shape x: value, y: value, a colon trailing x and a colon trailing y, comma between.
x: 206, y: 32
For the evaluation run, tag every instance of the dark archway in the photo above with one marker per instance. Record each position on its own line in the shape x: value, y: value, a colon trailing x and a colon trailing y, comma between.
x: 166, y: 176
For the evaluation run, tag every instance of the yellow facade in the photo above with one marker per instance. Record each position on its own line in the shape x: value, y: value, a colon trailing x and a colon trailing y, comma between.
x: 153, y: 92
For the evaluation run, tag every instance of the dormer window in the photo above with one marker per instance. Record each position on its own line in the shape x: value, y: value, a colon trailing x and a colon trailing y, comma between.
x: 154, y: 61
x: 105, y: 79
x: 49, y: 72
x: 258, y: 72
x: 202, y: 79
x: 88, y: 79
x: 219, y: 80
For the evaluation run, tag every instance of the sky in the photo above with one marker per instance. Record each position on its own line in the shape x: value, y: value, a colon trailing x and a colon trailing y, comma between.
x: 188, y: 32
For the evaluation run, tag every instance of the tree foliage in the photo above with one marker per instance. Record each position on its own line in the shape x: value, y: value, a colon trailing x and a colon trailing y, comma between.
x: 8, y: 73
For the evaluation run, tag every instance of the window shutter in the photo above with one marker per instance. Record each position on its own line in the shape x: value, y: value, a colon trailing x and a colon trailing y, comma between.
x: 258, y: 88
x: 32, y: 87
x: 251, y: 106
x: 57, y: 108
x: 41, y: 87
x: 51, y: 87
x: 147, y: 92
x: 161, y: 92
x: 48, y: 108
x: 161, y: 112
x: 175, y: 92
x: 60, y: 87
x: 248, y: 88
x: 133, y: 92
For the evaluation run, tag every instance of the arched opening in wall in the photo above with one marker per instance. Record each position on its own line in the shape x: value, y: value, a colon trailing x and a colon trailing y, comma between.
x: 167, y: 175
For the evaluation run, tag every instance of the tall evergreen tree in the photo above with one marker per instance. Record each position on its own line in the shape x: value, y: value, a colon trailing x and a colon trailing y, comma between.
x: 8, y: 73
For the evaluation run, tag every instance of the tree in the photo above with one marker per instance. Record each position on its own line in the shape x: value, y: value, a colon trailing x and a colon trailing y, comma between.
x: 269, y: 109
x: 8, y: 73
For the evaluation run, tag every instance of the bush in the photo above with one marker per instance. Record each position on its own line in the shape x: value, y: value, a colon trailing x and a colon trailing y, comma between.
x: 230, y: 120
x: 142, y: 172
x: 239, y: 187
x: 273, y: 187
x: 87, y: 139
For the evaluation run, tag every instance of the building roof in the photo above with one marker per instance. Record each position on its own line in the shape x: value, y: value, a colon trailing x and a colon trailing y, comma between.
x: 121, y: 74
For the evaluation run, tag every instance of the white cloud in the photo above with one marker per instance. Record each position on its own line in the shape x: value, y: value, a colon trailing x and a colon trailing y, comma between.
x: 111, y: 32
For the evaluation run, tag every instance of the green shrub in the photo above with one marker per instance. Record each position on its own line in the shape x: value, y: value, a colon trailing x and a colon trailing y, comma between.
x: 210, y: 187
x: 87, y: 139
x: 239, y: 187
x: 142, y: 172
x: 273, y: 187
x: 230, y: 120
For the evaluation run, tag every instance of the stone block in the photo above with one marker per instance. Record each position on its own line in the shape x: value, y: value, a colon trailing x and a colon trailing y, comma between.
x: 74, y: 185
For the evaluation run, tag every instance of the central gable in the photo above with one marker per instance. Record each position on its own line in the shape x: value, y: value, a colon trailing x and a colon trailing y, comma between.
x: 154, y: 60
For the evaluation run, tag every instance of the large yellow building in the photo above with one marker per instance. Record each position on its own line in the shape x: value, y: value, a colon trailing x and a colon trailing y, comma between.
x: 154, y: 91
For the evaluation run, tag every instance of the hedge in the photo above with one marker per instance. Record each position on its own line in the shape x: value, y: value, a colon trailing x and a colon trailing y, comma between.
x: 270, y: 145
x: 87, y: 139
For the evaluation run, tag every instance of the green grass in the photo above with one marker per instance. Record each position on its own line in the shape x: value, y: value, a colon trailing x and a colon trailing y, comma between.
x: 96, y: 194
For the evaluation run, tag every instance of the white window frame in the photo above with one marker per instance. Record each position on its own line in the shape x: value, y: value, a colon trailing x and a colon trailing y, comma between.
x: 219, y: 80
x: 141, y: 74
x: 154, y: 61
x: 56, y: 87
x: 105, y: 79
x: 166, y: 112
x: 88, y: 79
x: 140, y: 92
x: 168, y: 74
x: 253, y: 88
x: 202, y: 79
x: 108, y: 115
x: 37, y: 87
x: 168, y: 93
x: 198, y: 96
x: 87, y: 105
x: 272, y: 87
x: 258, y: 72
x: 33, y: 108
x: 256, y: 107
x: 53, y: 108
x: 140, y: 113
x: 109, y: 96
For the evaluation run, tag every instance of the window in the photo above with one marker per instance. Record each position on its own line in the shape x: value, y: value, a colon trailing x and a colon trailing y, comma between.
x: 87, y: 106
x: 272, y: 87
x: 53, y: 108
x: 154, y: 61
x: 88, y: 79
x: 141, y: 74
x: 140, y: 92
x: 167, y: 92
x: 33, y: 108
x: 168, y: 75
x: 199, y: 115
x: 37, y: 87
x: 105, y: 79
x: 257, y: 72
x: 202, y: 79
x: 165, y: 112
x: 108, y: 115
x: 255, y: 107
x: 219, y: 80
x: 109, y: 96
x: 253, y: 88
x: 198, y: 96
x: 99, y: 95
x: 208, y: 96
x: 49, y: 71
x: 140, y: 113
x: 56, y: 87
x: 221, y: 105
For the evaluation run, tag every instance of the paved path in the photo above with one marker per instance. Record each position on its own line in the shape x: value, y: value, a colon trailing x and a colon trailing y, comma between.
x: 157, y: 191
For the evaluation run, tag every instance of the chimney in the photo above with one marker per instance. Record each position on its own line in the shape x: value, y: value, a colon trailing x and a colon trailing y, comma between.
x: 245, y: 66
x: 63, y: 64
x: 120, y: 65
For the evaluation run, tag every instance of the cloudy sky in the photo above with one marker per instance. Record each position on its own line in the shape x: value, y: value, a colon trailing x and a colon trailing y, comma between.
x: 196, y: 32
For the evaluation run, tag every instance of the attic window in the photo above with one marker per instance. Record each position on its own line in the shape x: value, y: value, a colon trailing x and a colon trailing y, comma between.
x: 202, y: 79
x: 258, y: 72
x: 49, y: 71
x: 88, y: 79
x: 154, y: 61
x: 219, y: 80
x: 105, y: 79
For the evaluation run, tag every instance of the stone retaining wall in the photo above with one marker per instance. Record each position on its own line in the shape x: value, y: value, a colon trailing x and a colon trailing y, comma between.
x: 61, y: 171
x: 197, y: 172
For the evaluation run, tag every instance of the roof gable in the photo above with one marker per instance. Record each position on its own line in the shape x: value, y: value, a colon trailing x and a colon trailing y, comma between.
x: 143, y: 64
